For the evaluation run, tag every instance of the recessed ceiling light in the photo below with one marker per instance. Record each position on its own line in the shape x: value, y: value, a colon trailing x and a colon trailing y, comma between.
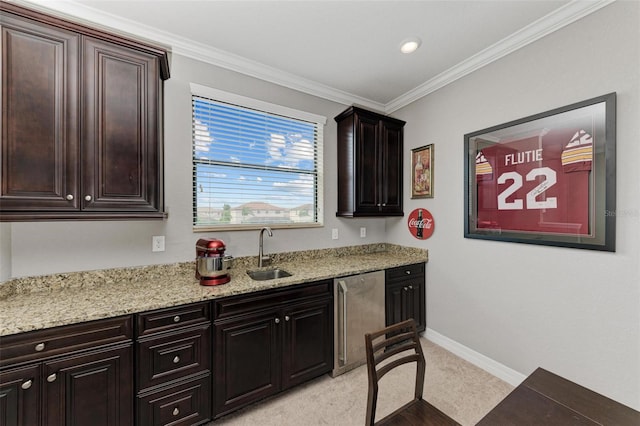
x: 410, y: 44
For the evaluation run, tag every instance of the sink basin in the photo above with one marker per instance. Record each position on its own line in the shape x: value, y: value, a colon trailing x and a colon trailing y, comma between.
x: 268, y: 274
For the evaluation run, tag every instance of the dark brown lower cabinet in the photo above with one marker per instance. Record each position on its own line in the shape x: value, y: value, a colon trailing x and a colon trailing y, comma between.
x: 246, y: 361
x: 89, y: 389
x: 173, y: 366
x: 73, y: 375
x: 269, y: 342
x: 405, y: 295
x: 20, y: 396
x: 307, y: 344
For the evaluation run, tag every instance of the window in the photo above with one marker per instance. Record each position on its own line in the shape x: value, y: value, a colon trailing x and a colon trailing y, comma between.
x: 254, y: 163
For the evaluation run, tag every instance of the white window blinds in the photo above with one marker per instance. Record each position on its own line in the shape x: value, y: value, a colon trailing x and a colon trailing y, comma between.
x: 254, y: 167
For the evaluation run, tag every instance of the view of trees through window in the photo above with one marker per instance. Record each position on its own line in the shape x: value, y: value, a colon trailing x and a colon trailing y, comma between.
x: 252, y: 167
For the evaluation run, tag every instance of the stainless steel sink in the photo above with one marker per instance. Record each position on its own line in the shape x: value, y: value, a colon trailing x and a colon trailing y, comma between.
x: 268, y: 274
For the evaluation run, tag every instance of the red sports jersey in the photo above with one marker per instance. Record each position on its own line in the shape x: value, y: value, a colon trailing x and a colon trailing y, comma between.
x: 538, y: 183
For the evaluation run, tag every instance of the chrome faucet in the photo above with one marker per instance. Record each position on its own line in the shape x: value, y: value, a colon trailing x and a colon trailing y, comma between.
x: 262, y: 259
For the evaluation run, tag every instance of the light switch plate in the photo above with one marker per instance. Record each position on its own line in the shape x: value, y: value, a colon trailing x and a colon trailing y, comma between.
x: 334, y: 234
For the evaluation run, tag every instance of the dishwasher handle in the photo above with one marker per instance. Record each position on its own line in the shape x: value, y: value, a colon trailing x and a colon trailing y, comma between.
x: 342, y: 289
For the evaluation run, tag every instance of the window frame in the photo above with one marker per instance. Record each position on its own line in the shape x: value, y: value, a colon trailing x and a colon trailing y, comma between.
x: 269, y: 108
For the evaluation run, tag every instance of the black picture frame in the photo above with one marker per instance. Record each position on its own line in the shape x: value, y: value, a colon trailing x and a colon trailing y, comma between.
x: 548, y: 179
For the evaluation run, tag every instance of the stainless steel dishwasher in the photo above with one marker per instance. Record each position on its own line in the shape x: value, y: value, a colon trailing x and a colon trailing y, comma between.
x: 358, y: 309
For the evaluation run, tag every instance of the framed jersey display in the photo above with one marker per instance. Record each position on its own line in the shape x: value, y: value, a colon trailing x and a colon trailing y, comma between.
x: 545, y: 179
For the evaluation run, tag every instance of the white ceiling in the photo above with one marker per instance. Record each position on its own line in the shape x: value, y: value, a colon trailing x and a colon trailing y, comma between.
x: 346, y: 51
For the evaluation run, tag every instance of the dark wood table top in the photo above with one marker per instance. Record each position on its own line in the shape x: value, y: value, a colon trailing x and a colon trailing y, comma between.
x: 545, y: 398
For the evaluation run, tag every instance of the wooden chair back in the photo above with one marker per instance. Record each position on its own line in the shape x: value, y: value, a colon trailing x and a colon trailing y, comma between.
x: 390, y: 348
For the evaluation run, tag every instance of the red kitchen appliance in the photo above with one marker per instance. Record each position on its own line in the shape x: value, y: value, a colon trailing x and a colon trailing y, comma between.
x: 211, y: 263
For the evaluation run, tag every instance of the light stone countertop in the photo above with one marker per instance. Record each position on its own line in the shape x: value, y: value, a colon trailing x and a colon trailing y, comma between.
x: 35, y: 303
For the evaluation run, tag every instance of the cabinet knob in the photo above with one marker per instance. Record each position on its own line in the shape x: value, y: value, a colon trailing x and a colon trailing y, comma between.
x: 69, y: 197
x: 39, y: 347
x: 405, y: 289
x: 26, y: 385
x: 407, y: 272
x: 410, y: 287
x: 176, y: 359
x: 87, y: 197
x: 286, y: 318
x: 277, y: 320
x: 175, y: 411
x: 52, y: 378
x: 176, y: 318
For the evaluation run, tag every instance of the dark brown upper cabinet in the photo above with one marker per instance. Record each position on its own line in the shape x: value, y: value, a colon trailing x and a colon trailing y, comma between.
x: 369, y: 164
x: 81, y: 122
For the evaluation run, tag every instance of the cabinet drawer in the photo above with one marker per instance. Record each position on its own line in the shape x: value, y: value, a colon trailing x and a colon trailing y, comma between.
x: 185, y: 404
x: 53, y: 341
x: 173, y: 356
x: 250, y: 303
x: 404, y: 272
x: 173, y: 318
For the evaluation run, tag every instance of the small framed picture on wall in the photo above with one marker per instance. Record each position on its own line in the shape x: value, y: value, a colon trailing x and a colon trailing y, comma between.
x: 422, y: 172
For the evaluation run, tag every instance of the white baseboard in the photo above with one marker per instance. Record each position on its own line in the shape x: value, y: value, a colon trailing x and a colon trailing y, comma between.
x: 501, y: 371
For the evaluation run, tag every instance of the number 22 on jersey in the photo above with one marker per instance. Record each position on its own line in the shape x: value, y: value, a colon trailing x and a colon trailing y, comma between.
x: 532, y: 201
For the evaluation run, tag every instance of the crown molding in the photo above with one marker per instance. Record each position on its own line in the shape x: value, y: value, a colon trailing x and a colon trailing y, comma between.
x: 267, y: 73
x: 548, y: 24
x: 554, y: 21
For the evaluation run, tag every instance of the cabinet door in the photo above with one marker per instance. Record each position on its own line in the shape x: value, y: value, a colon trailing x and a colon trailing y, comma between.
x: 410, y: 303
x: 94, y: 388
x: 391, y: 167
x: 20, y: 396
x: 405, y: 300
x: 120, y: 129
x: 394, y: 303
x: 308, y: 342
x: 367, y: 167
x: 38, y: 161
x: 247, y: 360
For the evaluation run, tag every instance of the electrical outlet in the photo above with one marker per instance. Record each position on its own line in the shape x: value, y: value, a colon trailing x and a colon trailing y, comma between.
x: 157, y: 243
x: 334, y: 234
x: 363, y: 232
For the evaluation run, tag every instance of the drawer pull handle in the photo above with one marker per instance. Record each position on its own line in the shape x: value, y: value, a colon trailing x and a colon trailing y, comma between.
x: 175, y: 411
x: 176, y: 318
x: 176, y: 359
x: 39, y: 347
x: 52, y: 378
x: 26, y: 385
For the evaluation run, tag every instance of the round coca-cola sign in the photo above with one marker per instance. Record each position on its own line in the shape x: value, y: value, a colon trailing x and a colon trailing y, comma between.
x: 421, y: 224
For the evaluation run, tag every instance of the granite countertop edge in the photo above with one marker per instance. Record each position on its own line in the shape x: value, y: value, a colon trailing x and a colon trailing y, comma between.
x: 36, y: 303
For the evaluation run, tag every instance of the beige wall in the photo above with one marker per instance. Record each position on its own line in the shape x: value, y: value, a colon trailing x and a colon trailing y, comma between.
x: 576, y: 312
